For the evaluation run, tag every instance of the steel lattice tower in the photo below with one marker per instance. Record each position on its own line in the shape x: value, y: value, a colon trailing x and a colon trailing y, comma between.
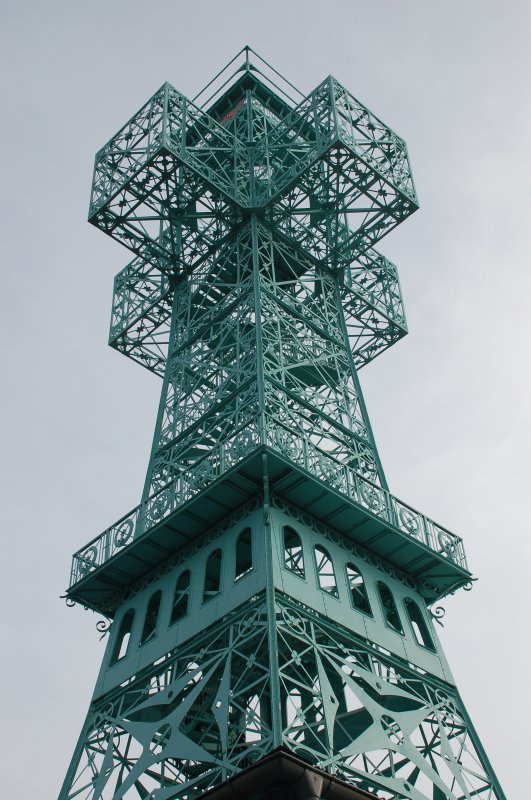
x: 270, y: 599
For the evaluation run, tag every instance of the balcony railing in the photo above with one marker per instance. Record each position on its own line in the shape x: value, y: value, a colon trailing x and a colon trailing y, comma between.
x: 377, y: 501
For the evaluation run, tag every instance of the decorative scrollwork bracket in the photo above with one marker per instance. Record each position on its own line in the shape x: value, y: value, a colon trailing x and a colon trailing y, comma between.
x: 437, y: 614
x: 103, y: 626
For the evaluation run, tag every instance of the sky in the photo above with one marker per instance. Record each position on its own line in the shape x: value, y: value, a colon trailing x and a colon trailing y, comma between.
x: 449, y: 404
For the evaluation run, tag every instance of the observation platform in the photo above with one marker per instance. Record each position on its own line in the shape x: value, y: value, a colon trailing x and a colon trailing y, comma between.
x: 362, y: 512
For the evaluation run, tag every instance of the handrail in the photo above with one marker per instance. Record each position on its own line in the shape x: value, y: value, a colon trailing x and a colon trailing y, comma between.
x: 397, y: 515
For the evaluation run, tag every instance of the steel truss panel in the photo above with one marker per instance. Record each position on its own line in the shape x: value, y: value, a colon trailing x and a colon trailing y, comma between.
x: 141, y: 311
x: 230, y: 696
x: 370, y: 291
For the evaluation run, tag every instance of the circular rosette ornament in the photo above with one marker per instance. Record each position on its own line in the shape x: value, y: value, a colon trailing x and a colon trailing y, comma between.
x: 329, y: 469
x: 288, y: 444
x: 409, y: 521
x: 158, y: 507
x: 124, y: 533
x: 201, y: 475
x: 87, y: 560
x: 371, y: 497
x: 294, y: 621
x: 447, y: 544
x: 239, y: 446
x: 251, y: 622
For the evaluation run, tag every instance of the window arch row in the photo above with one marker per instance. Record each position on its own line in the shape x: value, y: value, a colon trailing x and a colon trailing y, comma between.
x: 326, y: 571
x: 180, y: 590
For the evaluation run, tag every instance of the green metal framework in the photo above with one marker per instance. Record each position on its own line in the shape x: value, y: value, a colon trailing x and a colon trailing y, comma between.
x: 268, y: 591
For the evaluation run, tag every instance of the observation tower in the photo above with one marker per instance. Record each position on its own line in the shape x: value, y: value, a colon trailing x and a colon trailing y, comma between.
x: 271, y: 602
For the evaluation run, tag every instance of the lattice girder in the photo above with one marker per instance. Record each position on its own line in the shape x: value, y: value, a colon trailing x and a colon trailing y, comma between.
x: 167, y: 215
x: 260, y: 342
x: 370, y: 291
x: 328, y: 116
x: 141, y: 313
x: 173, y: 182
x: 167, y: 122
x: 174, y: 165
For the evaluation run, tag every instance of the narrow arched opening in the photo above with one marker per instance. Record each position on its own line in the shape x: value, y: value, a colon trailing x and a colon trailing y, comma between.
x: 325, y: 571
x: 152, y: 615
x: 293, y: 552
x: 390, y: 611
x: 418, y: 624
x: 181, y: 597
x: 212, y: 576
x: 244, y: 554
x: 358, y: 590
x: 121, y: 643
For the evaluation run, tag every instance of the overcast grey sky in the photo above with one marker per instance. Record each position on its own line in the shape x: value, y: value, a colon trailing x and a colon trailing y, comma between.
x: 449, y: 404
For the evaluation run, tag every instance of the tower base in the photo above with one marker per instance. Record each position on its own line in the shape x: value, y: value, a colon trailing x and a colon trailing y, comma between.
x: 283, y: 776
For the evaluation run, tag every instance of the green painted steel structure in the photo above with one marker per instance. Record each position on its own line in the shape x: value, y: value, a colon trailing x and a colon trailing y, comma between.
x: 268, y: 591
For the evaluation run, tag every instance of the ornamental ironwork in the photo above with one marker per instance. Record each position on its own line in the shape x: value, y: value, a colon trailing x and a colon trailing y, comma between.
x: 268, y: 591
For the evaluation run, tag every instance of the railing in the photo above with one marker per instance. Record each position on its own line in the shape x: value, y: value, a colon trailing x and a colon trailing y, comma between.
x: 374, y: 498
x: 160, y: 505
x: 377, y: 501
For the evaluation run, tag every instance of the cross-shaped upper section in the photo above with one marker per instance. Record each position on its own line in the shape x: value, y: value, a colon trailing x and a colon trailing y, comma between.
x: 324, y: 170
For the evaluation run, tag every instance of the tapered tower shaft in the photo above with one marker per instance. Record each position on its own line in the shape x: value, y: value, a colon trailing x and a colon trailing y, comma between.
x: 270, y: 599
x: 259, y: 355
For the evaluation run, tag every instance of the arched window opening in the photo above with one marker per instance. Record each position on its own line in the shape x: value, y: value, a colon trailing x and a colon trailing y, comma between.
x: 124, y: 634
x: 391, y: 615
x: 244, y: 554
x: 181, y: 597
x: 293, y: 553
x: 419, y: 625
x: 325, y: 571
x: 152, y: 615
x: 212, y: 575
x: 358, y: 590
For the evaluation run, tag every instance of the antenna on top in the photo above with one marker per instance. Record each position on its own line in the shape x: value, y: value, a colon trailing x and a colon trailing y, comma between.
x: 233, y: 70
